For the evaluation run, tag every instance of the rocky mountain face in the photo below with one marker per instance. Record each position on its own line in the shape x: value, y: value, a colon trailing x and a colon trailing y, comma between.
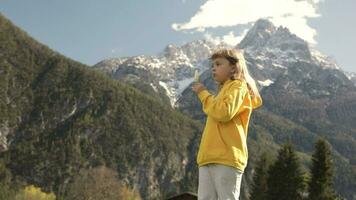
x: 351, y: 76
x: 303, y: 74
x: 306, y: 94
x: 166, y: 74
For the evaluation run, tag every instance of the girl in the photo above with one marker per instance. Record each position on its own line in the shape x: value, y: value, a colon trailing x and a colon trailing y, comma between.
x: 223, y: 154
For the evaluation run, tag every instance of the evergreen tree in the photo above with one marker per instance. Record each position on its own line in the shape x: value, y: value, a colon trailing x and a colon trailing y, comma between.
x: 5, y: 182
x: 285, y: 177
x: 259, y: 186
x: 320, y: 185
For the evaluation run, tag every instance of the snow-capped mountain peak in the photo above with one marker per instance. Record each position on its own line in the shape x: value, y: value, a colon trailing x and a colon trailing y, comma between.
x: 323, y: 60
x: 172, y: 69
x: 258, y: 35
x: 269, y: 51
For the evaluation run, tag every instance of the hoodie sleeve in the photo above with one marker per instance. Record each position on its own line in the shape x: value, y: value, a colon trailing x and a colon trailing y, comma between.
x: 223, y: 108
x: 256, y: 102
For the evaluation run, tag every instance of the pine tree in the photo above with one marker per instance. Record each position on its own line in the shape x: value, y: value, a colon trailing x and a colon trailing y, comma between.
x: 285, y: 177
x: 259, y: 186
x: 320, y: 185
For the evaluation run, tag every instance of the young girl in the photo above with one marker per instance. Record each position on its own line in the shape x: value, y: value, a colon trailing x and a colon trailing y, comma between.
x: 223, y: 154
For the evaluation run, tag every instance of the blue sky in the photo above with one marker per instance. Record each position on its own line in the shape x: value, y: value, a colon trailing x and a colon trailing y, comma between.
x: 90, y: 30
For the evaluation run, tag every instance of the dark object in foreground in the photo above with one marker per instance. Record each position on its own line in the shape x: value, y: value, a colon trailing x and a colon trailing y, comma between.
x: 184, y: 196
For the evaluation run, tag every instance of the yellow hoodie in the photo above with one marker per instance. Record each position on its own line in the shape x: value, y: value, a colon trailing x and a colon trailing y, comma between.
x: 224, y: 138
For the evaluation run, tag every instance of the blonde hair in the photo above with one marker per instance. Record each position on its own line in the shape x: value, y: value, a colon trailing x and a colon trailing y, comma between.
x: 236, y: 58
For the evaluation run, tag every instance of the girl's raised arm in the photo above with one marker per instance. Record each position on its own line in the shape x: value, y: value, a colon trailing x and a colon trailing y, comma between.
x: 223, y: 108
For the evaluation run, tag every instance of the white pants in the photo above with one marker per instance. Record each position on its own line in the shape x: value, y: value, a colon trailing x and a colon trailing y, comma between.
x: 217, y: 181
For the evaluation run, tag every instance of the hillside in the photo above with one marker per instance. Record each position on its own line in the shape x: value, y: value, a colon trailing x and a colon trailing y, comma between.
x: 59, y: 116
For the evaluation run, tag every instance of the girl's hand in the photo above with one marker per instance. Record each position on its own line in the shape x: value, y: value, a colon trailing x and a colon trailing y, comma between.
x: 197, y: 87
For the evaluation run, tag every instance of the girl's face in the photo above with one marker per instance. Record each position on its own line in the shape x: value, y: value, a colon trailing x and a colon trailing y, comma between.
x: 222, y: 69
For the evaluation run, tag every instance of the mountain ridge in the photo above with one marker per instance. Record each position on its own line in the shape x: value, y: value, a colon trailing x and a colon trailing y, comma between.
x: 61, y: 116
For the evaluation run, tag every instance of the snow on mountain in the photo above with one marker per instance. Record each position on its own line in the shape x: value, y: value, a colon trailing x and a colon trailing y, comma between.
x: 351, y: 76
x: 272, y: 51
x: 172, y: 69
x: 274, y: 47
x: 269, y: 51
x: 279, y: 47
x: 322, y: 60
x: 265, y: 83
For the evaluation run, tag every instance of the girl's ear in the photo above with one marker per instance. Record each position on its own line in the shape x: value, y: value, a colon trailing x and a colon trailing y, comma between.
x: 233, y: 69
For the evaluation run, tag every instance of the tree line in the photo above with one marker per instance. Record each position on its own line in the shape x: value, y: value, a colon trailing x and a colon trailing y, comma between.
x: 284, y: 178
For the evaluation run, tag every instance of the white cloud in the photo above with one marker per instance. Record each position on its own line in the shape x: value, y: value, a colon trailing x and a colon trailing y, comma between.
x: 297, y: 26
x: 115, y: 50
x: 230, y: 38
x: 224, y: 13
x: 215, y: 40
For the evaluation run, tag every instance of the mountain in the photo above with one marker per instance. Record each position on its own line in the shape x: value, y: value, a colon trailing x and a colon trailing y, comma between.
x: 59, y: 116
x: 269, y: 50
x: 165, y: 75
x: 306, y: 95
x: 351, y: 76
